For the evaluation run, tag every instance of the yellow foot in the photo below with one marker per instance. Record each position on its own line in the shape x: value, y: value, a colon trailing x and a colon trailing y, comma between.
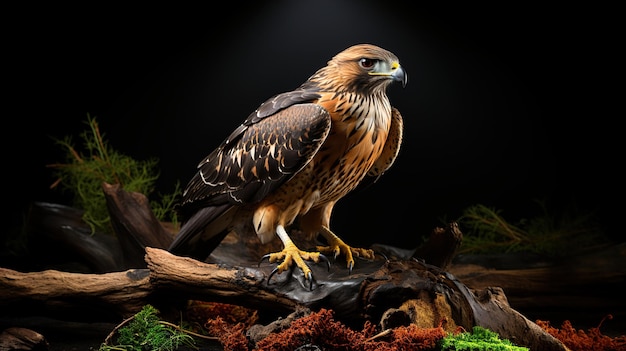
x: 336, y: 246
x: 348, y: 251
x: 292, y: 255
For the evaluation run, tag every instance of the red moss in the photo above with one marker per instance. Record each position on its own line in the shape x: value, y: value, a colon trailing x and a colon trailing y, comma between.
x: 317, y: 329
x: 579, y: 340
x: 201, y: 311
x: 416, y: 337
x: 231, y: 336
x: 321, y: 330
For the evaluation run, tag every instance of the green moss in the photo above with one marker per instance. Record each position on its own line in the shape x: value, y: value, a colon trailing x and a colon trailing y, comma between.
x: 480, y: 339
x: 145, y: 332
x: 84, y: 170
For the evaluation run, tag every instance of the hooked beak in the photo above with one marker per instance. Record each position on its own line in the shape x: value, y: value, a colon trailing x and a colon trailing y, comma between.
x: 399, y: 75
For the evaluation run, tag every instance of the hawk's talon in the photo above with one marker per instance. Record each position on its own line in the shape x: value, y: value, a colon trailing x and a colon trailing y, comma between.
x: 264, y: 258
x: 309, y: 276
x: 338, y: 247
x: 381, y: 254
x: 291, y: 257
x: 325, y: 259
x: 271, y: 274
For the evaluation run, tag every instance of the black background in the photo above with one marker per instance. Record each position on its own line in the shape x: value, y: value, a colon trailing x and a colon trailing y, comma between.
x: 504, y: 105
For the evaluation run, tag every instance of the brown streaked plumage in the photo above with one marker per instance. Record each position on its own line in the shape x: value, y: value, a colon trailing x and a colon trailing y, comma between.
x: 294, y: 157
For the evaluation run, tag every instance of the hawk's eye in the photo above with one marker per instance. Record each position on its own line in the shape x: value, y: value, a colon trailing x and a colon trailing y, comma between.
x: 367, y: 63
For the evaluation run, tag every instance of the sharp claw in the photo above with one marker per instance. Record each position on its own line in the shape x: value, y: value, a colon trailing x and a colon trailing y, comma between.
x: 325, y: 259
x: 264, y: 258
x: 309, y: 277
x: 272, y: 274
x: 350, y: 266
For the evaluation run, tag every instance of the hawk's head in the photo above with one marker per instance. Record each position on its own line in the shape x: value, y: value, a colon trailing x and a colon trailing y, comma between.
x: 362, y: 68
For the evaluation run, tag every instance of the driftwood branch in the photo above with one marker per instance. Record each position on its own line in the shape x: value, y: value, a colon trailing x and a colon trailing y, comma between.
x: 441, y: 246
x: 188, y: 279
x: 134, y: 223
x: 61, y: 227
x: 554, y: 285
x: 22, y: 339
x: 63, y: 293
x: 421, y: 285
x: 428, y: 294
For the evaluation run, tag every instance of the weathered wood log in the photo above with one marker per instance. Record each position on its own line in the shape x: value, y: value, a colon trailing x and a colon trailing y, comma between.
x: 134, y: 223
x: 62, y: 228
x: 79, y: 249
x: 440, y: 248
x: 550, y: 286
x: 427, y: 294
x: 16, y: 339
x: 187, y: 279
x: 431, y: 295
x: 434, y: 295
x: 74, y: 294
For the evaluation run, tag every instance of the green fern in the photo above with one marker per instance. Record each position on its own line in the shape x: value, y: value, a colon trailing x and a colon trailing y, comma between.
x: 480, y: 339
x: 83, y: 173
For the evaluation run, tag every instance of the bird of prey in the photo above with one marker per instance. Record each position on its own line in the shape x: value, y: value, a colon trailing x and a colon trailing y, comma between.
x: 293, y: 158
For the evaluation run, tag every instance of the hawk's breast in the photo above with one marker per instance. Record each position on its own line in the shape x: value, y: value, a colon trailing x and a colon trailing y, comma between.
x: 355, y: 142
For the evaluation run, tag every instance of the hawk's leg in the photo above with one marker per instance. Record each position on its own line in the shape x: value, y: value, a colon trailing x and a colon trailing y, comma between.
x: 336, y: 246
x: 291, y: 254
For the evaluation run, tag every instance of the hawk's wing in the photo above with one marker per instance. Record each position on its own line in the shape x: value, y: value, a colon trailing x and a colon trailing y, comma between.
x: 392, y: 145
x: 260, y: 157
x: 265, y: 151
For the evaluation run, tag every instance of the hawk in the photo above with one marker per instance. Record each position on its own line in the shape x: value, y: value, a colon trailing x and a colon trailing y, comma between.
x: 293, y: 158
